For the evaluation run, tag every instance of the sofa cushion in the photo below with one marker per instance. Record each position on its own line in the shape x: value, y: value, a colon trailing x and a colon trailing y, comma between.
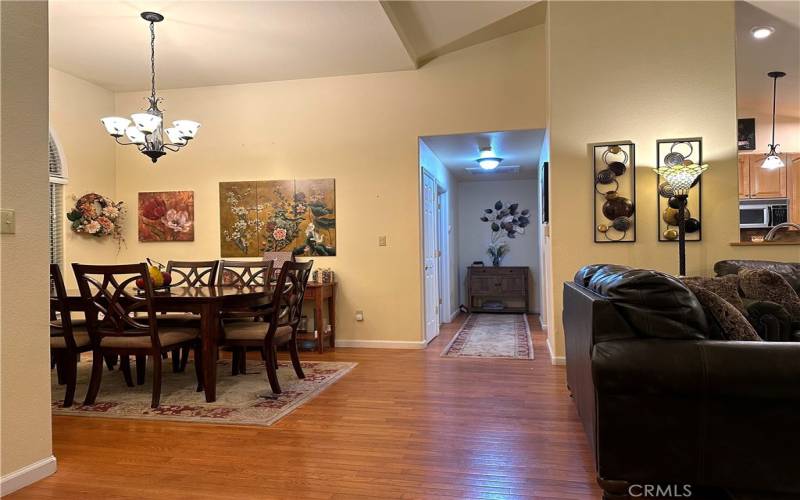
x: 789, y: 270
x: 763, y: 284
x: 730, y: 321
x: 726, y: 287
x: 654, y: 304
x: 586, y: 273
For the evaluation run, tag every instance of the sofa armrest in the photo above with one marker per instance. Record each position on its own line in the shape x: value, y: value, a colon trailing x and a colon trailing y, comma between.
x: 771, y: 320
x: 698, y: 368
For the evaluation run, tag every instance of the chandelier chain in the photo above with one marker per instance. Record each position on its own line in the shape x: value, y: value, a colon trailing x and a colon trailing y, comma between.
x: 153, y: 60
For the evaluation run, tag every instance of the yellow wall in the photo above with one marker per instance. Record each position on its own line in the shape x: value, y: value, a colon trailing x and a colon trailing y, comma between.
x: 24, y: 346
x: 641, y: 71
x: 76, y: 107
x: 363, y: 130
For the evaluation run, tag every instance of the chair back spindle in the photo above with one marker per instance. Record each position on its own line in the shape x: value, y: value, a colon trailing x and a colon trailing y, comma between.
x: 242, y: 273
x: 193, y: 273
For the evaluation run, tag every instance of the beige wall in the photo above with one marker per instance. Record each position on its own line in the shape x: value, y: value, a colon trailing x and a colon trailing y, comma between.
x: 363, y: 130
x: 76, y: 107
x: 24, y: 346
x: 646, y: 82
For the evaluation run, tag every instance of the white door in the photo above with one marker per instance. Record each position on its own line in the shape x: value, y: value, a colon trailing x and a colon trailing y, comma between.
x: 430, y: 259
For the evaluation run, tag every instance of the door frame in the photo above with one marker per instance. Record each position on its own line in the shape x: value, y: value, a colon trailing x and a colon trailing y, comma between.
x: 443, y: 246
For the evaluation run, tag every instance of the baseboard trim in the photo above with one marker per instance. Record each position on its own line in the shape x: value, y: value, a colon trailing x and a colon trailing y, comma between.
x: 554, y: 360
x: 382, y: 344
x: 27, y: 475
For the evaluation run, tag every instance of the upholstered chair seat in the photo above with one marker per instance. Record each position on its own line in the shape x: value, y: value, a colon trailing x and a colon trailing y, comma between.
x: 250, y: 330
x: 81, y: 340
x: 166, y: 336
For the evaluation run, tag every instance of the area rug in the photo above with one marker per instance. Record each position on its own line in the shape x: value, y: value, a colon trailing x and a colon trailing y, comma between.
x: 492, y: 336
x: 243, y: 399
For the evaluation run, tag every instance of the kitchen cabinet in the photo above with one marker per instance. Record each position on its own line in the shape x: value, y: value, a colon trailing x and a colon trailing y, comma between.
x: 793, y: 173
x: 762, y: 183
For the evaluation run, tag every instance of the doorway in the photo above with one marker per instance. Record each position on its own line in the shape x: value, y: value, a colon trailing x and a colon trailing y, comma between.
x: 456, y: 191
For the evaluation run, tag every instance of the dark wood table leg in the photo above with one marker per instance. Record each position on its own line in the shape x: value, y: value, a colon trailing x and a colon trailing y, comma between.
x: 318, y: 320
x: 209, y: 331
x: 332, y: 316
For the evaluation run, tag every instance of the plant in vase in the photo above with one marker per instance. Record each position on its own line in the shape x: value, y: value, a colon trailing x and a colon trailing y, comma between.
x: 505, y: 221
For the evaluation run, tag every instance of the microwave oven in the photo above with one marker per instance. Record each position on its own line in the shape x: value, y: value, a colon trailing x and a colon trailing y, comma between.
x: 762, y: 216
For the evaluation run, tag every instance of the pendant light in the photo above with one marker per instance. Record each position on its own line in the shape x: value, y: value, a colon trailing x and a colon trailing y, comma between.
x: 147, y: 134
x: 773, y: 161
x: 487, y: 159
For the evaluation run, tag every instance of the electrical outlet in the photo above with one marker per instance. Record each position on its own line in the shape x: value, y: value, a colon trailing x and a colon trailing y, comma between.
x: 8, y: 221
x: 359, y: 315
x: 381, y: 241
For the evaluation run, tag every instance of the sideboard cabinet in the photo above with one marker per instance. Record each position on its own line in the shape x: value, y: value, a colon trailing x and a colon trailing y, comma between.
x: 498, y: 289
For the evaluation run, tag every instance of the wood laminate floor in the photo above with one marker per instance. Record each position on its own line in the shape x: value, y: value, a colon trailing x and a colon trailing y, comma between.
x: 403, y: 424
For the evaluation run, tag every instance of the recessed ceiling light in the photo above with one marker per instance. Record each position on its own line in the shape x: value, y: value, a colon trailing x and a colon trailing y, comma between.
x: 761, y: 32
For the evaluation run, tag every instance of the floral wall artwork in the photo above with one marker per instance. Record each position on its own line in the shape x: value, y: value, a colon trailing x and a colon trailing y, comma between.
x: 98, y: 216
x: 295, y: 216
x: 166, y: 216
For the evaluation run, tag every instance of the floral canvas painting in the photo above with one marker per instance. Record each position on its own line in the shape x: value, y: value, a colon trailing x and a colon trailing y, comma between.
x: 166, y: 216
x: 278, y: 216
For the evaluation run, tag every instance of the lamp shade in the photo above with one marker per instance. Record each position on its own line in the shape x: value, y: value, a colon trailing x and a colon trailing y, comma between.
x: 187, y: 128
x: 681, y: 176
x: 146, y: 122
x: 175, y: 136
x: 772, y: 162
x: 115, y: 125
x: 135, y: 136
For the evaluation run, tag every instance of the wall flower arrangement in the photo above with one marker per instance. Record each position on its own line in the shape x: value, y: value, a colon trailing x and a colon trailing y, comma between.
x: 98, y: 216
x: 505, y: 221
x: 166, y: 216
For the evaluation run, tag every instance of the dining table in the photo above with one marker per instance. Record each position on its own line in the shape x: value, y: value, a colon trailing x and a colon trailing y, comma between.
x: 206, y: 301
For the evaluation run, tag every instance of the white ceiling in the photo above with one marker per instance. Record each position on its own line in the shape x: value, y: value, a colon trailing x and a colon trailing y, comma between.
x: 515, y: 147
x: 756, y: 58
x: 202, y: 43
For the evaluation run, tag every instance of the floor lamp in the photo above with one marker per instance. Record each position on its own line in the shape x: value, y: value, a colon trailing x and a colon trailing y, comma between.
x: 680, y: 178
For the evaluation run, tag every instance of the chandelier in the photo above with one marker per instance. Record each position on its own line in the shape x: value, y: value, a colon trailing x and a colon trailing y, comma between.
x: 147, y: 132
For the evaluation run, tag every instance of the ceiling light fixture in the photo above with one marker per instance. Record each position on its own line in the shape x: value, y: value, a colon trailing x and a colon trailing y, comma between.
x: 487, y: 159
x: 773, y: 161
x: 762, y: 32
x: 147, y: 134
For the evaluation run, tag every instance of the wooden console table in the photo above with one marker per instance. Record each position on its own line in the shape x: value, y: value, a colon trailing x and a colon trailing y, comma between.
x: 319, y: 293
x: 498, y: 284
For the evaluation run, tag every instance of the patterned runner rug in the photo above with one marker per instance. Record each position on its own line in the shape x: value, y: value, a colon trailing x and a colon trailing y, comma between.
x: 492, y: 336
x: 243, y: 399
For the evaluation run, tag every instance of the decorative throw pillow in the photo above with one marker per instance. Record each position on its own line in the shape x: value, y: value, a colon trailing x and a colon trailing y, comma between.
x: 732, y: 324
x: 762, y: 284
x: 726, y: 287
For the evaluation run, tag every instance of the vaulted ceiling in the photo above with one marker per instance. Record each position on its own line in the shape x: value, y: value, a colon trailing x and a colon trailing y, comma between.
x: 203, y: 43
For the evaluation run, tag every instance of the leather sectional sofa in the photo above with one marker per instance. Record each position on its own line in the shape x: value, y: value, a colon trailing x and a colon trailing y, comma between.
x: 662, y: 404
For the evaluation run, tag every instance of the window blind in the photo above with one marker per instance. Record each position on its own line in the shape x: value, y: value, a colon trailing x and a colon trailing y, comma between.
x: 57, y: 181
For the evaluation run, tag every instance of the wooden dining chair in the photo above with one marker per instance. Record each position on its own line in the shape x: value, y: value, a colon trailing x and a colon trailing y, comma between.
x: 277, y: 259
x: 187, y: 273
x: 123, y: 322
x: 68, y: 338
x: 243, y: 273
x: 284, y: 319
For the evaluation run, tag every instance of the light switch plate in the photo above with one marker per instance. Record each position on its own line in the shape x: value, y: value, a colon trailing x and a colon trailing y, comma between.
x: 381, y: 241
x: 8, y: 221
